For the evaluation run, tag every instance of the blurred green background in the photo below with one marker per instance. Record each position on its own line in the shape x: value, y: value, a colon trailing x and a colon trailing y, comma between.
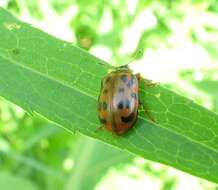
x: 172, y: 42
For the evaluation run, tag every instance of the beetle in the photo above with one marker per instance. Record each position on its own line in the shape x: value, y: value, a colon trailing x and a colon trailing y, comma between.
x: 118, y: 101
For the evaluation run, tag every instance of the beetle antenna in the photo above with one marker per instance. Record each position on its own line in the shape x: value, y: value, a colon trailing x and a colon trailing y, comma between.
x: 135, y: 55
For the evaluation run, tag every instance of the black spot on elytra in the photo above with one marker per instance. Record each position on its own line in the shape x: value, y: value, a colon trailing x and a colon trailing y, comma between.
x: 120, y: 105
x: 124, y: 78
x: 107, y: 79
x: 104, y: 105
x: 130, y: 82
x: 127, y: 104
x: 103, y: 121
x: 105, y: 91
x: 134, y: 95
x: 124, y: 104
x: 121, y: 90
x: 128, y: 118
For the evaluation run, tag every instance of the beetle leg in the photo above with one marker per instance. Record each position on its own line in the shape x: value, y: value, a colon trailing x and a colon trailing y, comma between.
x: 98, y: 129
x: 149, y: 116
x: 149, y: 83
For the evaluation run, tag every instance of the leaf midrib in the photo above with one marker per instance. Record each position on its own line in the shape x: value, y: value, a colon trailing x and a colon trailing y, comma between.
x: 47, y: 76
x: 59, y: 82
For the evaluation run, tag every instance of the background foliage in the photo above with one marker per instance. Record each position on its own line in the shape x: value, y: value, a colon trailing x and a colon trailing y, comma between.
x: 38, y: 155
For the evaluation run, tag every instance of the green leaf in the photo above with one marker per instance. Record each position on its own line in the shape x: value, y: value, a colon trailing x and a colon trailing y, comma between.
x: 53, y: 78
x: 208, y: 86
x: 9, y: 181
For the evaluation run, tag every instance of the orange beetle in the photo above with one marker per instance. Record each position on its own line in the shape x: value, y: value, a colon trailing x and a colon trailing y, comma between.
x: 118, y: 100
